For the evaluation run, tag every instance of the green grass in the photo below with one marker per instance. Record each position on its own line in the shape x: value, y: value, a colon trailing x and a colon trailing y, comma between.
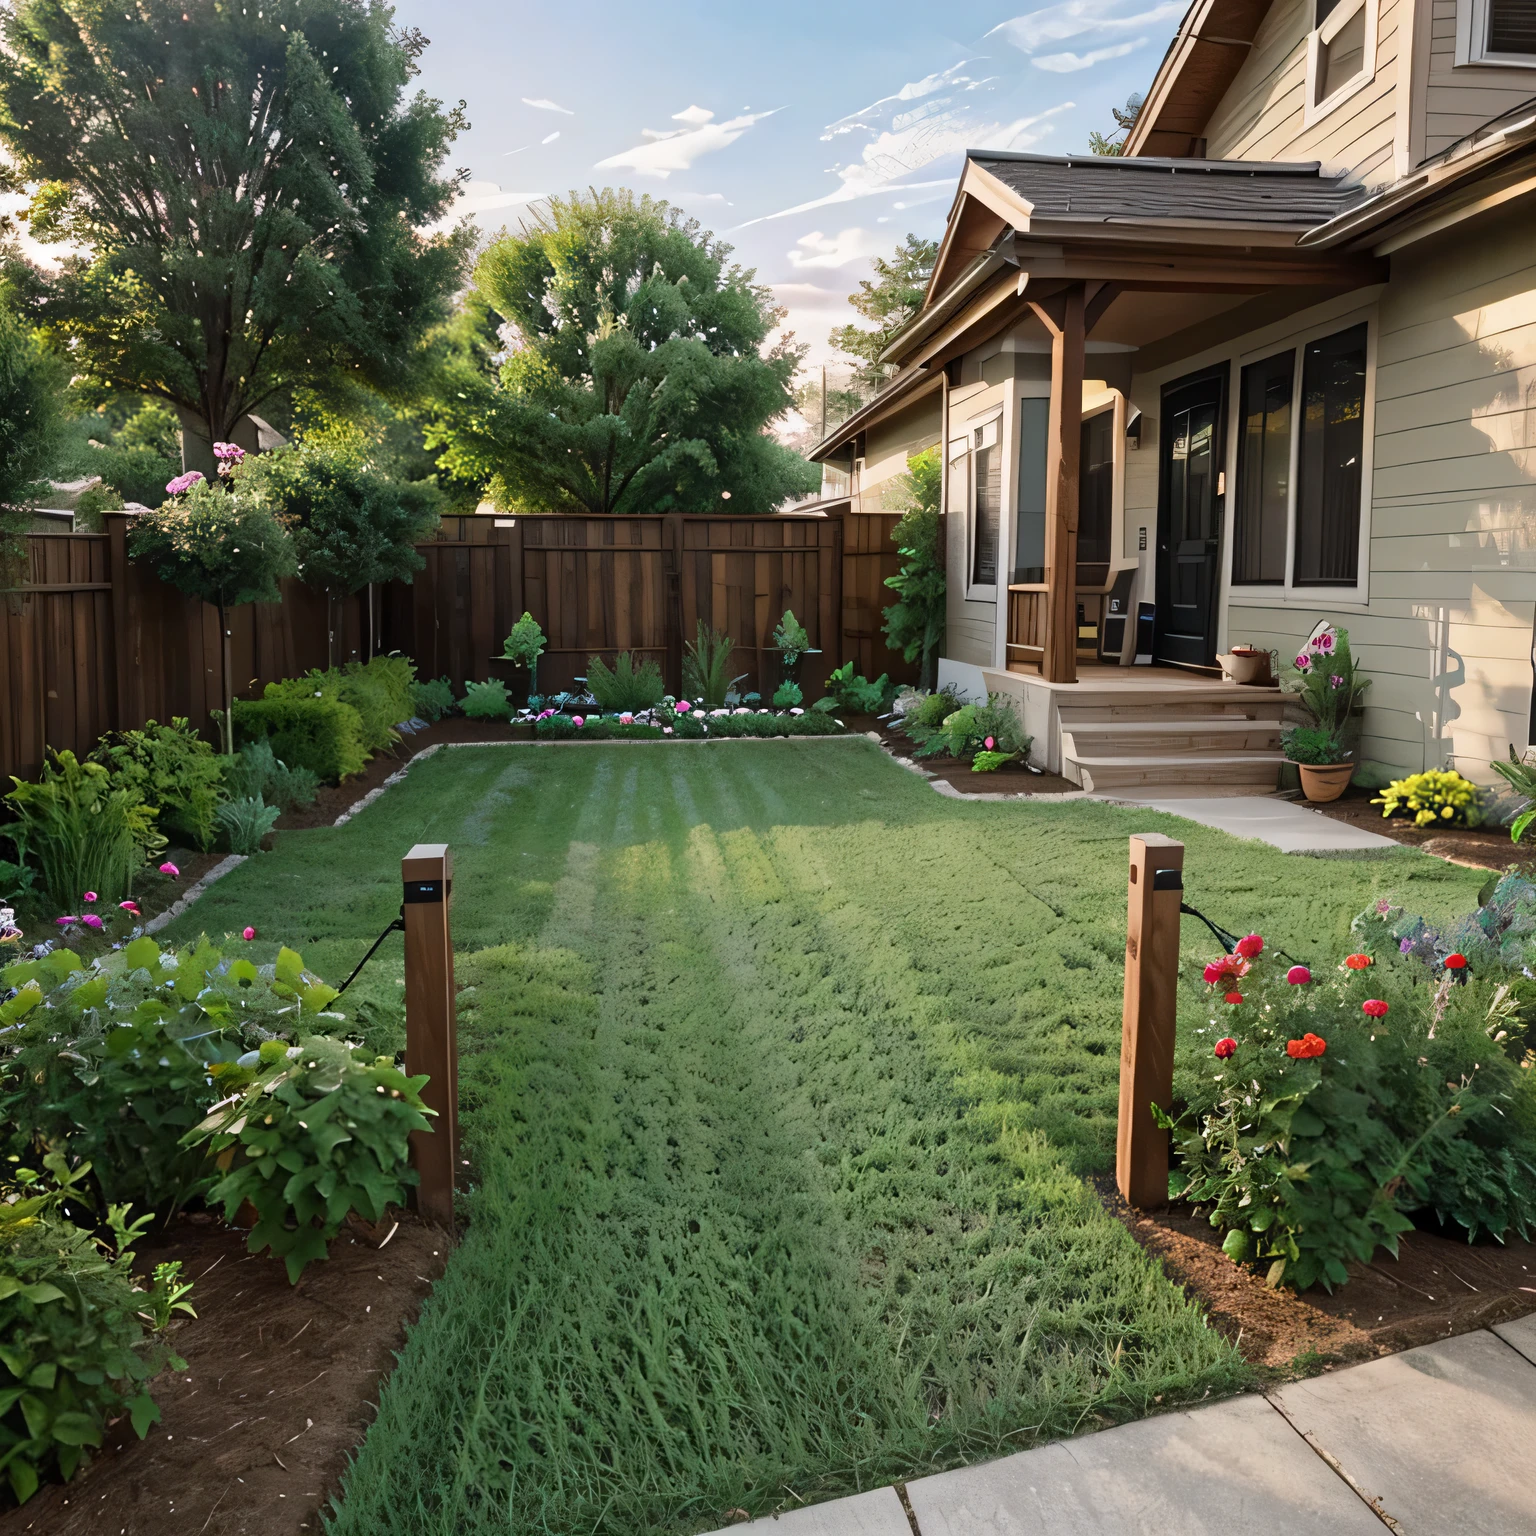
x: 777, y: 1073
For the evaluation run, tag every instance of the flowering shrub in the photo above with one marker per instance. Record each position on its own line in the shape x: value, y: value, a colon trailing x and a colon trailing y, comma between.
x: 183, y: 483
x: 678, y: 722
x: 1433, y: 799
x: 1325, y: 679
x: 1319, y: 1110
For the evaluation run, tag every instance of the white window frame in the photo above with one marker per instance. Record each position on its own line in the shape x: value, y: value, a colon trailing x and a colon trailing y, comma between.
x: 983, y: 592
x: 1472, y: 22
x: 1313, y: 110
x: 1287, y: 593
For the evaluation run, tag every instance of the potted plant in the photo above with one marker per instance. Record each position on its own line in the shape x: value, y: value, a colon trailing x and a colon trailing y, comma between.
x: 792, y: 641
x: 1326, y: 681
x: 1320, y: 756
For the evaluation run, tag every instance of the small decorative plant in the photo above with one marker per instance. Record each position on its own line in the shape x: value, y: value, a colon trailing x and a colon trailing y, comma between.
x: 1314, y: 745
x: 853, y: 694
x: 486, y: 701
x: 524, y: 646
x: 707, y: 667
x: 791, y: 640
x: 625, y: 685
x: 172, y: 769
x: 245, y: 822
x: 1434, y: 799
x: 1325, y: 679
x: 433, y: 698
x: 788, y: 695
x: 1521, y: 774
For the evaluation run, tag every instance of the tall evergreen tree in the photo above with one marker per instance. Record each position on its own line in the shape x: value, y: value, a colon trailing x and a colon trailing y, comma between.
x: 889, y: 300
x: 249, y: 184
x: 630, y: 374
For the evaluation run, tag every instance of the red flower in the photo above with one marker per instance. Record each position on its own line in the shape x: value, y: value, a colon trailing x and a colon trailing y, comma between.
x: 1455, y: 962
x: 1226, y: 1048
x: 1234, y: 998
x: 1228, y: 968
x: 1250, y: 947
x: 1374, y: 1007
x: 1358, y: 962
x: 247, y: 934
x: 1306, y: 1048
x: 1298, y: 975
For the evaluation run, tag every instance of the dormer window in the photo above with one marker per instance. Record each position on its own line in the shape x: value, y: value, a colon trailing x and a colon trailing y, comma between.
x: 1499, y: 32
x: 1341, y: 53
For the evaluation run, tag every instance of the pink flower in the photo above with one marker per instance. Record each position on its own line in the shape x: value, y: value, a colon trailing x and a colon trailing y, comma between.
x: 228, y: 455
x: 1250, y: 947
x: 64, y: 922
x: 91, y: 920
x: 131, y: 907
x: 1335, y: 682
x: 90, y: 896
x: 1374, y: 1007
x: 1303, y: 661
x: 666, y: 730
x: 626, y: 718
x: 1298, y: 975
x: 183, y: 482
x: 683, y: 706
x: 577, y: 721
x: 1226, y: 1048
x: 247, y: 933
x: 169, y: 869
x: 1323, y: 643
x: 989, y: 743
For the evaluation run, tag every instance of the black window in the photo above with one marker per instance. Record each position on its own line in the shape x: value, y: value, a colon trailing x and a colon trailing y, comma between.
x: 1512, y: 26
x: 1096, y: 482
x: 1329, y: 462
x: 989, y: 506
x: 1029, y: 533
x: 1263, y: 472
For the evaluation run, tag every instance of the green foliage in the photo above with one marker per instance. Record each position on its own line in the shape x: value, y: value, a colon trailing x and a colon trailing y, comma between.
x: 914, y: 623
x: 244, y: 822
x: 792, y: 640
x: 1521, y: 774
x: 707, y: 667
x: 79, y: 1341
x: 171, y: 768
x: 431, y: 699
x: 1313, y: 744
x: 351, y: 525
x: 31, y: 382
x: 322, y: 735
x: 1325, y: 678
x: 854, y: 694
x: 788, y: 695
x: 257, y: 773
x: 987, y: 761
x: 131, y: 443
x: 889, y: 300
x: 930, y: 712
x: 320, y: 1131
x: 309, y: 231
x: 524, y: 645
x: 636, y: 379
x: 486, y: 701
x: 83, y: 832
x: 624, y: 686
x: 1434, y: 799
x: 968, y: 730
x: 17, y: 882
x: 378, y: 691
x: 764, y: 724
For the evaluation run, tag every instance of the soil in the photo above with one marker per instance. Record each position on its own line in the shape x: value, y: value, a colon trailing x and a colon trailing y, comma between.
x: 280, y: 1380
x: 1438, y: 1285
x: 1010, y: 779
x: 1480, y: 847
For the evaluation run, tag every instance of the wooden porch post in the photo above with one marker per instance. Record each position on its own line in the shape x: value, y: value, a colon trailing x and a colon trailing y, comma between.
x: 1063, y: 316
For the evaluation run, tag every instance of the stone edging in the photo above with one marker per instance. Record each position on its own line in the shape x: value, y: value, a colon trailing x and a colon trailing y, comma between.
x: 177, y: 907
x: 394, y: 778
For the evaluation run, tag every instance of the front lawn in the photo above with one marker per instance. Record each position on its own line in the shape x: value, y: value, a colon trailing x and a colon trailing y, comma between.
x: 778, y: 1071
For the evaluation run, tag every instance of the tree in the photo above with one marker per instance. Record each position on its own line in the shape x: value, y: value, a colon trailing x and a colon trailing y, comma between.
x: 630, y: 375
x: 351, y: 525
x: 1125, y: 119
x: 223, y: 546
x: 890, y: 299
x: 914, y: 624
x: 31, y: 382
x: 249, y: 184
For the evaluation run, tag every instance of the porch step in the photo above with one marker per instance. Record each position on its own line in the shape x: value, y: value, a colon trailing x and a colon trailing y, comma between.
x: 1256, y: 771
x: 1162, y: 737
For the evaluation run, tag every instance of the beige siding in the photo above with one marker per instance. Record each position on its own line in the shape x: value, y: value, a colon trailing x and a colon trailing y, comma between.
x: 1261, y: 115
x: 1458, y: 100
x: 890, y: 443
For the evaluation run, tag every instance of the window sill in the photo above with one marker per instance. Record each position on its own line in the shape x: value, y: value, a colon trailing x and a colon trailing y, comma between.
x: 1350, y: 598
x: 1499, y: 61
x: 981, y: 594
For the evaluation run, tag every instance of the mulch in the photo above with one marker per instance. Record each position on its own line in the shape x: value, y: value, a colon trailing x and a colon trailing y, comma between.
x: 1010, y: 779
x: 1480, y: 847
x: 281, y: 1384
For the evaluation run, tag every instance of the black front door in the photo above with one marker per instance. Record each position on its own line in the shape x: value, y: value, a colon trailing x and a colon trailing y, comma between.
x: 1189, y: 514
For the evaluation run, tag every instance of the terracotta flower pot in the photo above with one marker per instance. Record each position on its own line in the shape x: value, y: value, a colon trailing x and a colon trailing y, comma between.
x: 1322, y: 782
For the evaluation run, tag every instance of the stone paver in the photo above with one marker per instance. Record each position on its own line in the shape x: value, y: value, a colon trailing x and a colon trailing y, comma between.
x: 1521, y: 1334
x: 877, y: 1513
x: 1235, y: 1468
x: 1282, y: 823
x: 1440, y: 1435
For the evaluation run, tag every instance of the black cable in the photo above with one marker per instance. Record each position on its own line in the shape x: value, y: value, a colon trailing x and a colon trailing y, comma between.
x: 399, y: 923
x: 1228, y: 941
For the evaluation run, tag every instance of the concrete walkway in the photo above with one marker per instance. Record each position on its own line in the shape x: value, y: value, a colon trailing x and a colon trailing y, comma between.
x: 1284, y: 824
x: 1428, y: 1442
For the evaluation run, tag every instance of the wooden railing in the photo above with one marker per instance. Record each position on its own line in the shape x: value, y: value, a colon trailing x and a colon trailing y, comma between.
x: 1028, y: 608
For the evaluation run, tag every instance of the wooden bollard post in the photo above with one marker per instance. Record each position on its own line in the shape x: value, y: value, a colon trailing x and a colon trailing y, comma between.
x: 1146, y: 1039
x: 431, y: 1036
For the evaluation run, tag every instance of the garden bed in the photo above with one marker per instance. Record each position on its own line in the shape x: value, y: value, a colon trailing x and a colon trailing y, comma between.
x: 280, y: 1386
x: 1010, y: 779
x: 1483, y: 847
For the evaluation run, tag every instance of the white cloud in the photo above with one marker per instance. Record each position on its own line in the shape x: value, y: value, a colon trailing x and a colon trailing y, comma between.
x: 1070, y: 63
x: 48, y: 257
x: 484, y: 197
x: 676, y: 149
x: 544, y: 104
x: 819, y: 250
x: 549, y: 138
x: 1084, y: 19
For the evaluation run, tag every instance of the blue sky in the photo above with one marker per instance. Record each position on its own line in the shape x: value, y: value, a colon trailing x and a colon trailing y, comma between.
x: 809, y: 135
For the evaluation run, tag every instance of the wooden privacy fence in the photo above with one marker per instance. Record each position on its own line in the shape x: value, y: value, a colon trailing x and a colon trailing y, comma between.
x: 95, y: 641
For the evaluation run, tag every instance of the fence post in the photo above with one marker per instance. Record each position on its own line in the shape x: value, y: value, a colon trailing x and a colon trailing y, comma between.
x: 124, y: 637
x: 431, y: 1038
x: 1146, y: 1041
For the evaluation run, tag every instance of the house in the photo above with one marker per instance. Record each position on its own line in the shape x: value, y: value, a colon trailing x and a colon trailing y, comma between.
x: 1272, y: 368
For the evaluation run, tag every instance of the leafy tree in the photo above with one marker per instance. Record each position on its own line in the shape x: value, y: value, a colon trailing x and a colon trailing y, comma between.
x: 631, y: 374
x: 351, y: 525
x: 250, y: 185
x: 223, y: 546
x: 889, y: 300
x: 31, y: 382
x: 1125, y: 119
x: 914, y: 624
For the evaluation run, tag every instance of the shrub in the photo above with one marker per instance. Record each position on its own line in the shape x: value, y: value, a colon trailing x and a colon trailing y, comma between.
x: 1435, y: 798
x: 319, y: 1131
x: 791, y: 640
x: 320, y: 734
x: 256, y: 773
x: 524, y: 645
x: 486, y: 701
x: 84, y: 833
x: 433, y: 699
x: 707, y: 667
x: 245, y: 822
x: 625, y: 685
x: 79, y: 1341
x: 1325, y: 679
x: 171, y: 768
x: 914, y: 623
x: 929, y: 712
x: 987, y: 761
x: 379, y: 690
x: 1313, y: 745
x: 852, y: 694
x: 787, y: 695
x: 973, y: 728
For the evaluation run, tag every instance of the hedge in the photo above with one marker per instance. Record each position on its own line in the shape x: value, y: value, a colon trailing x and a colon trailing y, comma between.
x: 323, y: 735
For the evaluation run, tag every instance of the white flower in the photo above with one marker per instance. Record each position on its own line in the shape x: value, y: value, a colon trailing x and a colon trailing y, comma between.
x: 797, y: 711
